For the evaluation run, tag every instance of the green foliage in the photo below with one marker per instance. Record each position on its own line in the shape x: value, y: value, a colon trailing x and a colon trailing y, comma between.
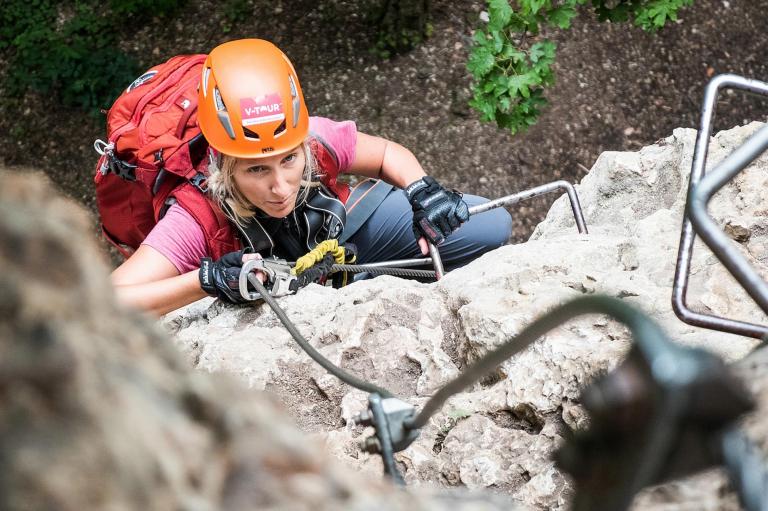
x: 512, y: 66
x: 650, y: 15
x: 391, y: 43
x: 68, y: 50
x: 655, y: 13
x: 234, y: 10
x: 139, y: 9
x: 19, y: 17
x: 400, y: 25
x: 459, y: 413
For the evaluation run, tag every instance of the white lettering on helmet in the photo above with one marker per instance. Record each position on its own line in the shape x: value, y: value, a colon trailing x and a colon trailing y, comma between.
x: 261, y: 109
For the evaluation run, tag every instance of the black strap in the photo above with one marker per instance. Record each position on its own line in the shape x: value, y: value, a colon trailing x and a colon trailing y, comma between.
x: 363, y: 201
x: 321, y: 217
x: 120, y: 168
x: 317, y: 271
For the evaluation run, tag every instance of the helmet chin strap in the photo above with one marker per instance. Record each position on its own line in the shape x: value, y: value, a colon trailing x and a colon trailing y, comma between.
x: 214, y: 158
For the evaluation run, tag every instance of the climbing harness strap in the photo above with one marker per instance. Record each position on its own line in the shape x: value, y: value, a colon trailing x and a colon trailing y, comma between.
x: 363, y: 201
x: 317, y: 272
x: 319, y: 218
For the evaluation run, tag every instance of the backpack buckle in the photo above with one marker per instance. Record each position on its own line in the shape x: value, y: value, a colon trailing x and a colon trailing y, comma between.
x: 112, y: 163
x: 200, y: 181
x: 121, y: 168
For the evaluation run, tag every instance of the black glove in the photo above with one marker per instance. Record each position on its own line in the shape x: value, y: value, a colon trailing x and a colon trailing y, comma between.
x: 222, y: 278
x: 437, y: 212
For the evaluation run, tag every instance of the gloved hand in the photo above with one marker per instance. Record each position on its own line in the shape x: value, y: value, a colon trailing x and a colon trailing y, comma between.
x: 222, y: 278
x: 437, y: 212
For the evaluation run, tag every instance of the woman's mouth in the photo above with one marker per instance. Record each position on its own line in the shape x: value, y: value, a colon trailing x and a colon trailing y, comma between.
x: 280, y: 203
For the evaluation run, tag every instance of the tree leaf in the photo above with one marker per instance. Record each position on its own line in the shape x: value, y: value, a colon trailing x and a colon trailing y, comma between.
x: 480, y: 38
x: 518, y: 84
x: 510, y: 52
x: 480, y: 61
x: 501, y: 85
x: 498, y: 41
x: 535, y: 6
x: 543, y: 50
x: 499, y: 14
x: 561, y: 16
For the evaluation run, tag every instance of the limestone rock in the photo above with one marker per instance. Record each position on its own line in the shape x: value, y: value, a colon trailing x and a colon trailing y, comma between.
x: 413, y: 337
x: 99, y: 411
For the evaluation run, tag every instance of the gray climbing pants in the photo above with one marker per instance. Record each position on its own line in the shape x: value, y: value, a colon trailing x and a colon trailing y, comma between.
x: 388, y: 233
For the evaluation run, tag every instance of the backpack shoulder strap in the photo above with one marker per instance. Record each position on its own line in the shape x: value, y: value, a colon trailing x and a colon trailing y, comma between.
x: 323, y: 152
x: 219, y: 235
x: 328, y: 164
x: 363, y: 201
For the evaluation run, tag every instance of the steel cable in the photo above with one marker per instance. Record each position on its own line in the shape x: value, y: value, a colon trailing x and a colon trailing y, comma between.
x: 329, y: 366
x: 746, y: 469
x: 382, y: 270
x: 744, y: 464
x: 643, y: 329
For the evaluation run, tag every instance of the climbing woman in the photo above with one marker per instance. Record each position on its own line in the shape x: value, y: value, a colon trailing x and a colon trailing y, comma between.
x: 273, y: 189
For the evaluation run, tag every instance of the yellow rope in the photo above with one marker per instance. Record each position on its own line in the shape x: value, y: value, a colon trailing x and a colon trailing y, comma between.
x: 316, y: 255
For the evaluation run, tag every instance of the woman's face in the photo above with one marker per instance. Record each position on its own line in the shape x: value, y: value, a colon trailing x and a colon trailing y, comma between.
x: 271, y: 183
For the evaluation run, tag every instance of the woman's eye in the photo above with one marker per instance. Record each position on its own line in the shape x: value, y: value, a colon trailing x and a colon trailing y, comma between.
x: 255, y: 170
x: 291, y: 157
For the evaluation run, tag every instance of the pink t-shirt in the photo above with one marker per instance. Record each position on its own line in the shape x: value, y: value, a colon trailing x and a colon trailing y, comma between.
x: 339, y: 136
x: 180, y: 238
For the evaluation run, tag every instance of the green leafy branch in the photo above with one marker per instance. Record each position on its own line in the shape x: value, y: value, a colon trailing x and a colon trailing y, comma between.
x: 512, y: 65
x: 650, y: 15
x: 69, y: 50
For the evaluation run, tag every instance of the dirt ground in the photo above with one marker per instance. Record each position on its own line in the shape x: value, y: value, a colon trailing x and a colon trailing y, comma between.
x: 618, y: 88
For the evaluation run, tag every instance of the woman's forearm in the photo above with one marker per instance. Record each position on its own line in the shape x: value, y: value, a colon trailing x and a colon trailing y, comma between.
x: 399, y: 166
x: 161, y: 296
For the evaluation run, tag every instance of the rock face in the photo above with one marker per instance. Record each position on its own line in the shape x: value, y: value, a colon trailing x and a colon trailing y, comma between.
x: 412, y: 338
x: 99, y: 411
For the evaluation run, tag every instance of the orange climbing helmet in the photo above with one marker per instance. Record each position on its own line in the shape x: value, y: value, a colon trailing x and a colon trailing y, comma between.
x: 250, y: 101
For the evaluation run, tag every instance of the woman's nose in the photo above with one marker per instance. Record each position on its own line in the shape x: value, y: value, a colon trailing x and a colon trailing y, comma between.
x: 280, y: 186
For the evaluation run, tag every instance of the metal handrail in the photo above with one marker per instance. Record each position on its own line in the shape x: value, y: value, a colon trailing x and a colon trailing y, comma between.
x: 508, y: 200
x: 708, y: 229
x: 687, y: 236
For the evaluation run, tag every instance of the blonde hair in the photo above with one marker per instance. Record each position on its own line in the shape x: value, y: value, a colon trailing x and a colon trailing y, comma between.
x: 224, y: 191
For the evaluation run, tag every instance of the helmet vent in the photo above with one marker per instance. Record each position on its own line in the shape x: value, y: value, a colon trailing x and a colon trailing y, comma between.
x: 226, y: 123
x: 206, y: 75
x: 220, y: 106
x: 296, y: 108
x: 251, y: 135
x: 280, y: 129
x: 222, y: 113
x: 296, y: 103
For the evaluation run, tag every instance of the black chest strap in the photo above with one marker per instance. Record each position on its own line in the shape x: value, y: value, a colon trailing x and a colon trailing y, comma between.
x: 321, y: 217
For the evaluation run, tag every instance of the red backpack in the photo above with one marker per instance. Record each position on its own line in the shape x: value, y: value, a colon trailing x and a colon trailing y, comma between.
x: 154, y: 154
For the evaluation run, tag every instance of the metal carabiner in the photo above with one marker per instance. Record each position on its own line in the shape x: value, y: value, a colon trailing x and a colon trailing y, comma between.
x: 280, y: 281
